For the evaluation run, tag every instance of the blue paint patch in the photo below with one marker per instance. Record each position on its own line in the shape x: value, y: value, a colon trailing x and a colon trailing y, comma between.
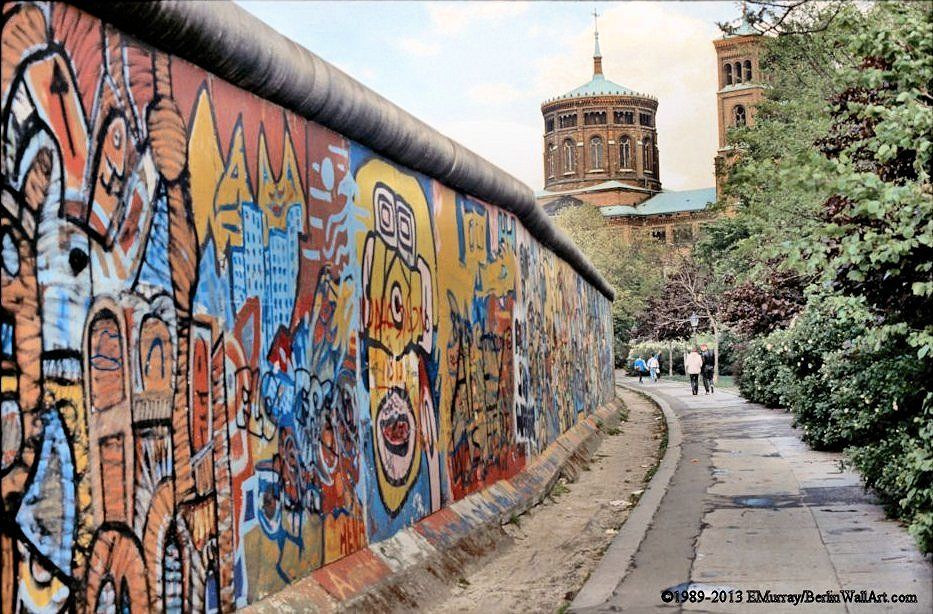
x: 47, y: 513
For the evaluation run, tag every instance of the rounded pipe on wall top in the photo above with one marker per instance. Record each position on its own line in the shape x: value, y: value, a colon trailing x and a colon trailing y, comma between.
x: 226, y: 40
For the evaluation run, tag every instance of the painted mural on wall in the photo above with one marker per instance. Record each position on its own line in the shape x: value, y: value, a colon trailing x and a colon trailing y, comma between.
x: 235, y: 346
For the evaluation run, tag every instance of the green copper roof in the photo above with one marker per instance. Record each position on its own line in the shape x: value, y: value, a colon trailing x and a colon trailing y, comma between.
x: 745, y: 28
x: 599, y: 86
x: 665, y: 202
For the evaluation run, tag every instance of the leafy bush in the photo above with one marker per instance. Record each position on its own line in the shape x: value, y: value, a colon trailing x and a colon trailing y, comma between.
x: 783, y: 369
x: 764, y: 377
x: 899, y: 467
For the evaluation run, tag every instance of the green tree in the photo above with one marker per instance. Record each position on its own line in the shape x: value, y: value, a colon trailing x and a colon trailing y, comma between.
x: 633, y: 269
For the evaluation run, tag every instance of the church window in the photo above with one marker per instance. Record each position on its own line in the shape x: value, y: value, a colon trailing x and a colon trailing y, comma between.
x: 645, y: 119
x: 738, y: 72
x: 728, y: 74
x: 567, y: 121
x: 594, y: 118
x: 683, y: 234
x: 551, y: 152
x: 625, y: 153
x: 748, y: 70
x: 569, y: 166
x: 596, y: 152
x: 648, y: 156
x: 659, y: 234
x: 623, y: 117
x: 549, y: 124
x: 738, y: 115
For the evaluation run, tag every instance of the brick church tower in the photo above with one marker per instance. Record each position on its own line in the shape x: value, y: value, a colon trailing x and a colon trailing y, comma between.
x: 741, y: 88
x: 600, y: 143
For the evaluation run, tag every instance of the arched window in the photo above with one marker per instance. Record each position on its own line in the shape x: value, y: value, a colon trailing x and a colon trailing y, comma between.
x: 625, y: 153
x: 737, y: 67
x: 596, y: 152
x: 126, y: 603
x: 106, y: 598
x: 200, y: 416
x: 172, y: 575
x: 156, y: 359
x: 738, y: 116
x: 748, y: 70
x: 569, y: 164
x: 648, y: 156
x: 105, y: 341
x: 728, y: 74
x: 551, y: 149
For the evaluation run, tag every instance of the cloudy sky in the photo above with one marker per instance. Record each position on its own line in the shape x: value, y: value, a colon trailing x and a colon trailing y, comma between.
x: 479, y: 71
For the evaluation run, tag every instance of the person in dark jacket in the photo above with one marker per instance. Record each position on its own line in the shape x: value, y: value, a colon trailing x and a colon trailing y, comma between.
x: 709, y: 367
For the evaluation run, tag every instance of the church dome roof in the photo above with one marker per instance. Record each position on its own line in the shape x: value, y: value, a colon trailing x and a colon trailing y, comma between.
x: 599, y: 86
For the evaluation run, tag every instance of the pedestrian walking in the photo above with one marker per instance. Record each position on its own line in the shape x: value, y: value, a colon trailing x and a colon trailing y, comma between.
x: 693, y: 365
x: 709, y: 367
x: 653, y: 367
x: 641, y: 367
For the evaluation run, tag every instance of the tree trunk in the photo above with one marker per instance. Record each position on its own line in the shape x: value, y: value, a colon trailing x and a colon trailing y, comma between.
x: 715, y: 352
x: 670, y: 360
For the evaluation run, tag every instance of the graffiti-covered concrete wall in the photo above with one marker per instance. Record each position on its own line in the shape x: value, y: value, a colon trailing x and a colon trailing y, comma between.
x: 236, y: 346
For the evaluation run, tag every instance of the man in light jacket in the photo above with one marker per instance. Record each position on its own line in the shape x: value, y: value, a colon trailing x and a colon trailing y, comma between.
x: 693, y: 364
x: 653, y: 367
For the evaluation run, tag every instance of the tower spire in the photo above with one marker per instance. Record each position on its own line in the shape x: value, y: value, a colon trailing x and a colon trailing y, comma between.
x: 597, y: 56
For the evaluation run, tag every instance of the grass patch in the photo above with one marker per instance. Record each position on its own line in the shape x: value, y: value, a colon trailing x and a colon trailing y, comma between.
x: 563, y: 608
x: 661, y: 450
x: 463, y: 582
x: 559, y: 489
x: 515, y: 521
x: 613, y: 431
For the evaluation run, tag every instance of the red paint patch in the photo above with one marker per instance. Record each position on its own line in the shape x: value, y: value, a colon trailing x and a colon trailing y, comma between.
x: 352, y: 574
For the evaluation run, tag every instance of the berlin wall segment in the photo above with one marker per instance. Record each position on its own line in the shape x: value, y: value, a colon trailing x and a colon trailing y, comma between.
x: 236, y: 346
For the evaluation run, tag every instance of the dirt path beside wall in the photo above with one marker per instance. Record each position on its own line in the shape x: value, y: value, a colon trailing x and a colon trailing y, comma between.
x: 554, y: 547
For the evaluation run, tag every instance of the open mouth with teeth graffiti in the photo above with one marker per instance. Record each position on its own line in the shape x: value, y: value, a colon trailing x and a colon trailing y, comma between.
x: 395, y: 423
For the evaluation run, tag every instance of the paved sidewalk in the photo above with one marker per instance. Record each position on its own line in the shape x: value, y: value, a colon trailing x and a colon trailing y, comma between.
x: 750, y: 506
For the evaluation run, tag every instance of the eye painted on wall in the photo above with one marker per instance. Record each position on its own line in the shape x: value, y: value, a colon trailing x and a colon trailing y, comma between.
x: 78, y: 260
x: 384, y: 203
x: 9, y: 255
x: 405, y: 224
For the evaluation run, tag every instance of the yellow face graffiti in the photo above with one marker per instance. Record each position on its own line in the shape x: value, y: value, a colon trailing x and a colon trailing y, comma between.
x: 399, y: 318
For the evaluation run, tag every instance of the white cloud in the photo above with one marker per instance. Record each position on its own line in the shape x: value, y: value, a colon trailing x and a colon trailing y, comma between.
x: 418, y: 47
x: 454, y: 17
x: 494, y: 93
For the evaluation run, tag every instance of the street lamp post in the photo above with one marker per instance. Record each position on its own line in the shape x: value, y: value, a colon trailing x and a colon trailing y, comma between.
x: 694, y: 320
